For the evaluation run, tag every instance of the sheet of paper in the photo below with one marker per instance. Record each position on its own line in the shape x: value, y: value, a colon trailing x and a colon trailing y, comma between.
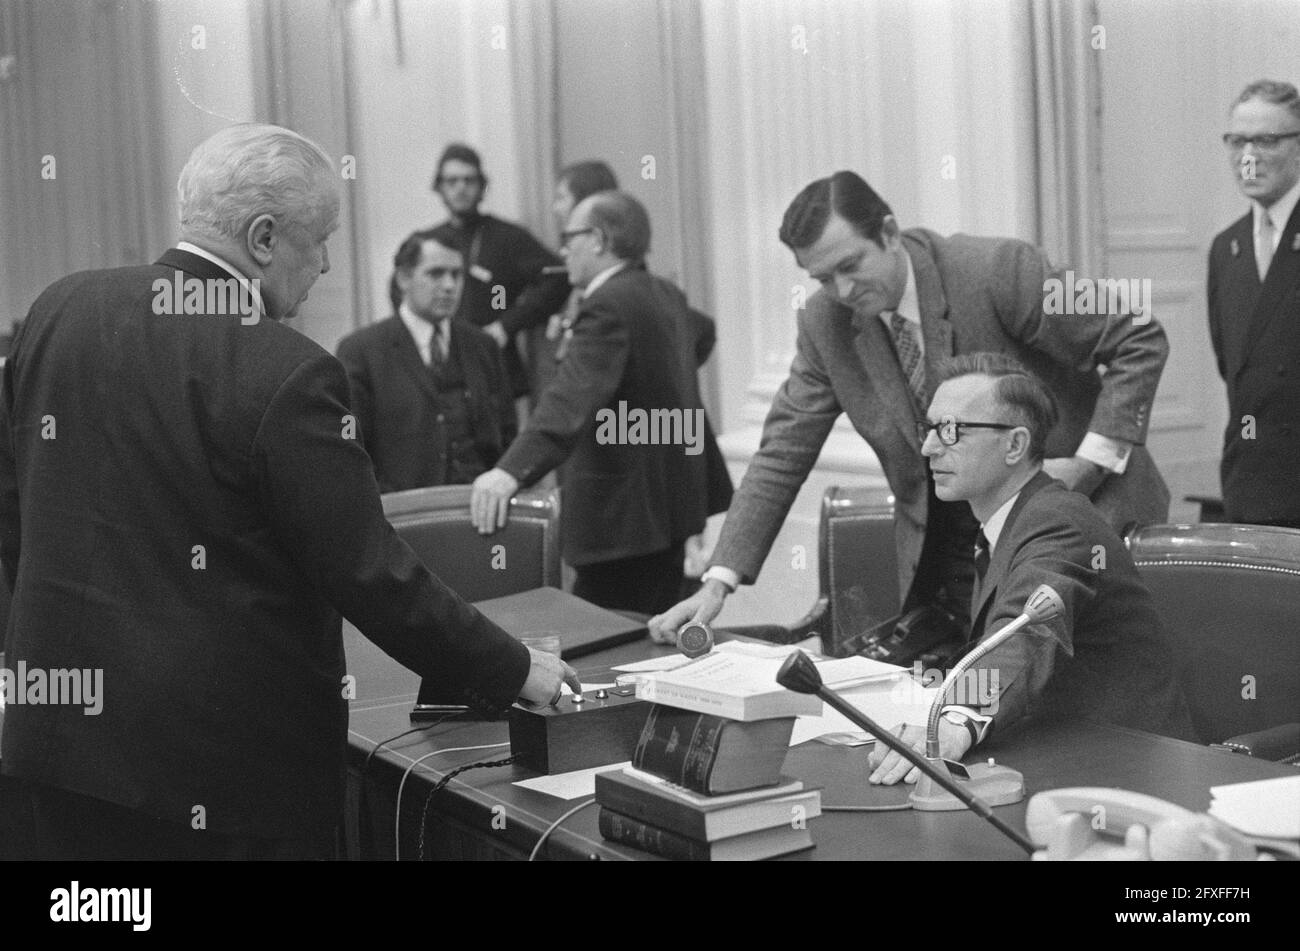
x: 888, y: 703
x: 1267, y: 807
x: 574, y: 785
x: 751, y: 649
x: 666, y: 662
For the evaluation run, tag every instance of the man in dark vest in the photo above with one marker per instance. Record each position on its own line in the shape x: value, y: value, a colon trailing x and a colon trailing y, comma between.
x: 430, y: 392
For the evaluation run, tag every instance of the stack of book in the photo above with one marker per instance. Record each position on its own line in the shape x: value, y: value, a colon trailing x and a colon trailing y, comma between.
x: 706, y: 782
x: 708, y: 788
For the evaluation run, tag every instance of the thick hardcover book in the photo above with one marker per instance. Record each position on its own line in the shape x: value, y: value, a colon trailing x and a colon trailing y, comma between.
x: 742, y: 686
x: 669, y: 807
x: 712, y: 754
x: 752, y: 846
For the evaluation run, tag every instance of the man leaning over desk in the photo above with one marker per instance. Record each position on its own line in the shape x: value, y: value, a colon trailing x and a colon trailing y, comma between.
x: 1105, y: 656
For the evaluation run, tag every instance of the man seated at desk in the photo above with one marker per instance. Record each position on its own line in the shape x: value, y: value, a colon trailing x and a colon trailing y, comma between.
x: 1105, y: 656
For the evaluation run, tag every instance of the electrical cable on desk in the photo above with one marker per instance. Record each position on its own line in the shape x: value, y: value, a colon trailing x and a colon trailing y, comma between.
x: 397, y: 821
x: 532, y: 856
x: 365, y: 767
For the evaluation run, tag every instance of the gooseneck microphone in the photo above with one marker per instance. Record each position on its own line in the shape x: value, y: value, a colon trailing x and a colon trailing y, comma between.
x: 800, y: 674
x: 1043, y: 605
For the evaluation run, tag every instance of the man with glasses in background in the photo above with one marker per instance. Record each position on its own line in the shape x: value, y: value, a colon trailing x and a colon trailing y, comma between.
x: 892, y: 304
x: 506, y: 290
x: 1254, y: 308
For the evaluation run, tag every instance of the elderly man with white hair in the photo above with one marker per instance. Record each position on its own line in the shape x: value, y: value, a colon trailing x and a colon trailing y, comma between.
x: 184, y: 514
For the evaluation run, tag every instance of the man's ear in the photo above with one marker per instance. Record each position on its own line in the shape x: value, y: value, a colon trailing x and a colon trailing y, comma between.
x: 403, y: 279
x: 260, y: 238
x: 1017, y: 445
x: 890, y: 234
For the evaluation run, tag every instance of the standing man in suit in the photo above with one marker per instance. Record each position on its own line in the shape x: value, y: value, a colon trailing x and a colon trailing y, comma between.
x: 505, y: 291
x: 182, y: 511
x: 892, y: 304
x: 429, y: 392
x: 632, y: 494
x: 1105, y: 655
x: 1254, y: 308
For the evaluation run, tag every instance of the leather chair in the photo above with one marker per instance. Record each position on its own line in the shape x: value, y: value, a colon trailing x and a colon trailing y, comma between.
x: 524, y: 555
x: 1229, y: 598
x: 857, y: 566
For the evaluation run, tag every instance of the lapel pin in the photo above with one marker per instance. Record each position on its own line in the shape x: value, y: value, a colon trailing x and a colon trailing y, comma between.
x: 1234, y: 247
x: 1295, y: 241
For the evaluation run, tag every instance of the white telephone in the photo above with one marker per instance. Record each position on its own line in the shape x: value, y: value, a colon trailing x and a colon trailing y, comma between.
x: 1097, y: 823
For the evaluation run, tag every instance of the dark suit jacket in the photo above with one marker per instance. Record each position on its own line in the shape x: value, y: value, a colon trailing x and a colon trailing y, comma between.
x: 501, y: 254
x: 974, y: 294
x: 632, y: 343
x: 193, y: 527
x: 1255, y: 329
x: 396, y: 402
x: 1106, y: 656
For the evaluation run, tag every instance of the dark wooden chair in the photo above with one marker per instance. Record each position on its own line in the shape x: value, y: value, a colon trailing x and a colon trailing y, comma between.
x: 524, y: 555
x: 1229, y: 598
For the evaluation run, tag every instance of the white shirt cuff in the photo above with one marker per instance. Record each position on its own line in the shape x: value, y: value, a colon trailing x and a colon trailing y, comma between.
x: 725, y: 575
x: 1110, y: 454
x: 982, y: 722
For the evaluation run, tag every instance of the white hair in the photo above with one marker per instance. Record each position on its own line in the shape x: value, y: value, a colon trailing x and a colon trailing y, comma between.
x: 248, y: 170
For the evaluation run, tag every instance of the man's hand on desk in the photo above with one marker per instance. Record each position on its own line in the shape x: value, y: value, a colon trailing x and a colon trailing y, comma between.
x: 703, y: 605
x: 489, y: 502
x: 545, y: 675
x: 887, y: 767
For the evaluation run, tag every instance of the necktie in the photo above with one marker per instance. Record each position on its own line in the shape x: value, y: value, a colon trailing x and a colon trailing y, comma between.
x: 909, y: 357
x: 981, y: 562
x: 438, y: 346
x: 1264, y: 247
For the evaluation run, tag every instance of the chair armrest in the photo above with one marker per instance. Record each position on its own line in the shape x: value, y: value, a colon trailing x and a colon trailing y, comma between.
x: 811, y: 624
x: 1280, y: 743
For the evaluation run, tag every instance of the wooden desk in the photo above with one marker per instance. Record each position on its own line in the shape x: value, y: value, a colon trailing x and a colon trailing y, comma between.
x: 461, y: 817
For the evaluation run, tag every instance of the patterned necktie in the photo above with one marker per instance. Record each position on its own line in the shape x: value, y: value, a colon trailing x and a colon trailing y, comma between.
x: 909, y: 357
x: 1264, y: 247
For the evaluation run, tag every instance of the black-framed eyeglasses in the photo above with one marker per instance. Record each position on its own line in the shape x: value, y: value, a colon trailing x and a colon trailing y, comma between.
x: 1265, y: 143
x: 949, y: 429
x: 567, y: 236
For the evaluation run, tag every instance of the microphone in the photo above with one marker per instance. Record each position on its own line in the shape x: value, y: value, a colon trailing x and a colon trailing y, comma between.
x: 1043, y: 605
x: 997, y: 785
x: 695, y: 639
x: 800, y: 674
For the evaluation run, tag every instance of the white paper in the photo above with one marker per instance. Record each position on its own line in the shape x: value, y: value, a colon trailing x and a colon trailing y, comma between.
x: 889, y: 703
x: 666, y: 662
x: 574, y: 785
x: 1267, y: 807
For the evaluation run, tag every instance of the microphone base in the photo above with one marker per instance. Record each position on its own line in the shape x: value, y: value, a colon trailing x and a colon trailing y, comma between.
x: 995, y: 785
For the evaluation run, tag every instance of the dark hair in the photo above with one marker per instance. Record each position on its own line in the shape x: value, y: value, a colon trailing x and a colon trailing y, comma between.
x: 1269, y: 90
x: 845, y: 194
x: 408, y: 254
x: 624, y: 222
x: 587, y: 178
x: 459, y: 152
x: 1028, y: 401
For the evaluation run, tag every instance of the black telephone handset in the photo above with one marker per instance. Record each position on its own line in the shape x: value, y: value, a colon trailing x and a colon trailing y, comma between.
x: 929, y: 634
